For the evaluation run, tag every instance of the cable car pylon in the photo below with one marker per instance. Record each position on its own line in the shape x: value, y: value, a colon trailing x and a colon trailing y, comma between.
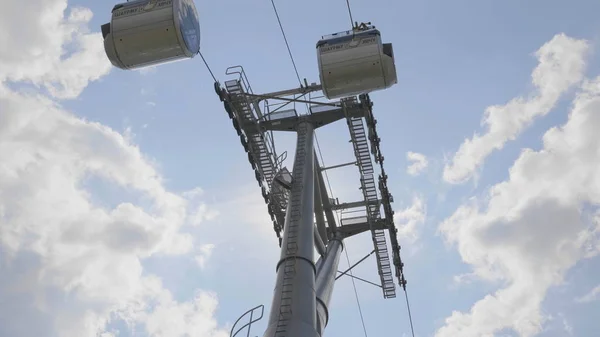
x: 351, y: 63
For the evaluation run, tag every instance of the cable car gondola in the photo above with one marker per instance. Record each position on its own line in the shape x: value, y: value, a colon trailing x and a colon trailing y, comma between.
x: 149, y: 32
x: 355, y: 62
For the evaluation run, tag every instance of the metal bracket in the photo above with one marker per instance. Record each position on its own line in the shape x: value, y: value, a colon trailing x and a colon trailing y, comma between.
x: 354, y: 265
x: 363, y: 280
x: 345, y: 273
x: 262, y: 97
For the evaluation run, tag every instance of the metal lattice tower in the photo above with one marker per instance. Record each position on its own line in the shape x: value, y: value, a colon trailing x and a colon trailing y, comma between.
x: 299, y: 205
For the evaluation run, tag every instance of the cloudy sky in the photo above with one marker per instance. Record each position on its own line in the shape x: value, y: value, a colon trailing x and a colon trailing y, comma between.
x: 128, y: 208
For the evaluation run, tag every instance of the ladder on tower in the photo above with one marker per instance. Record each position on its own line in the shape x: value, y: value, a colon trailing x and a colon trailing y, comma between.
x: 289, y: 274
x: 246, y: 115
x: 369, y: 190
x: 248, y: 120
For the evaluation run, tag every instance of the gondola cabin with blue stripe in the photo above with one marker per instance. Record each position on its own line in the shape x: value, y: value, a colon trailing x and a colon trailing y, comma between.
x: 148, y: 32
x: 355, y: 62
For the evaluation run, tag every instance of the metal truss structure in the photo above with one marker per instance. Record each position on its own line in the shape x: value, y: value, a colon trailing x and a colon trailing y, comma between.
x: 300, y: 207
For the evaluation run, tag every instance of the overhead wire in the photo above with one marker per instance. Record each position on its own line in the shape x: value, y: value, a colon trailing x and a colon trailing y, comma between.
x: 207, y: 67
x: 412, y: 329
x: 362, y: 319
x: 286, y: 42
x: 350, y: 13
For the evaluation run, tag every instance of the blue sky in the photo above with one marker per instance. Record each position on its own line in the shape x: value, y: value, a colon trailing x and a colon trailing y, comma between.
x: 111, y: 158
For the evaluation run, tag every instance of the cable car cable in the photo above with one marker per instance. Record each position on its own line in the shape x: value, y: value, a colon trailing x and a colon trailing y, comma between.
x: 355, y: 292
x: 286, y: 41
x: 362, y: 320
x: 409, y: 315
x: 350, y: 13
x: 207, y: 67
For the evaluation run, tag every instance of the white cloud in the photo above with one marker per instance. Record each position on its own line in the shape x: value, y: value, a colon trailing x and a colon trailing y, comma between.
x: 201, y: 212
x: 464, y: 278
x: 155, y: 310
x: 593, y: 295
x: 108, y: 334
x: 205, y: 252
x: 410, y: 219
x: 535, y: 226
x: 45, y: 48
x: 146, y: 70
x: 561, y: 65
x: 69, y: 263
x: 169, y: 318
x: 567, y: 327
x: 248, y: 208
x: 418, y: 163
x: 50, y: 227
x: 193, y: 193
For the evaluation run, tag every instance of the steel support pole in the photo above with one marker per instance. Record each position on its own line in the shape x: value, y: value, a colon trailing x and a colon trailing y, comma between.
x: 319, y: 217
x: 326, y: 280
x: 319, y: 245
x: 294, y: 306
x: 325, y: 197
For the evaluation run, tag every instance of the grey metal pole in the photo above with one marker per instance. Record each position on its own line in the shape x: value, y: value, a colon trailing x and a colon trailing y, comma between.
x: 325, y: 197
x: 293, y: 310
x: 319, y: 217
x: 319, y: 245
x: 325, y: 281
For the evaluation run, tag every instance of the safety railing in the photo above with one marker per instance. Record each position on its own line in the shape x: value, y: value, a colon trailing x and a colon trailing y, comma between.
x: 251, y: 321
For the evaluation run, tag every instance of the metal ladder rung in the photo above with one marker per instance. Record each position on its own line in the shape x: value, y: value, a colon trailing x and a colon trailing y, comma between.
x: 369, y: 190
